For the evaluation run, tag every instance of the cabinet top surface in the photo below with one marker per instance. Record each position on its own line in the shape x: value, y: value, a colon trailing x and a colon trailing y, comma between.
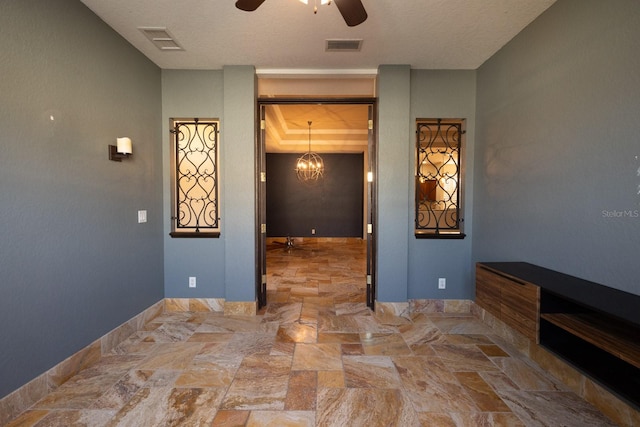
x: 603, y: 298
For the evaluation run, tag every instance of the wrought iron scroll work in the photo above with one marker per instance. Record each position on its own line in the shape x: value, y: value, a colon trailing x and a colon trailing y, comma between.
x: 196, y: 175
x: 438, y: 177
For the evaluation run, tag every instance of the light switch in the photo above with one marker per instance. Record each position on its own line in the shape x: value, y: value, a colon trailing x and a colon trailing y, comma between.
x: 142, y: 216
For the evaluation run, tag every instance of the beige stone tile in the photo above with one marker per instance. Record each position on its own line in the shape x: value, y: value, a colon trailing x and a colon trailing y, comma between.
x: 337, y: 337
x: 248, y: 394
x: 482, y: 394
x: 386, y: 344
x: 492, y: 350
x: 123, y: 390
x: 475, y: 419
x: 331, y: 379
x: 421, y: 334
x: 370, y: 372
x: 317, y: 357
x: 169, y: 407
x: 86, y: 357
x: 230, y: 418
x: 76, y: 418
x: 609, y: 405
x: 553, y: 408
x: 206, y: 305
x: 172, y: 356
x: 280, y: 348
x: 526, y: 376
x: 27, y: 418
x: 463, y: 358
x: 431, y: 387
x: 209, y: 378
x: 242, y: 308
x: 364, y: 407
x: 281, y: 419
x: 231, y: 324
x: 263, y: 366
x: 283, y: 312
x: 218, y: 337
x: 352, y: 349
x: 246, y: 344
x: 437, y: 419
x: 297, y: 332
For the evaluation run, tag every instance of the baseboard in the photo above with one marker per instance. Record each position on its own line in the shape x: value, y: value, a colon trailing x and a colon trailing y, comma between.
x: 606, y: 402
x: 24, y: 397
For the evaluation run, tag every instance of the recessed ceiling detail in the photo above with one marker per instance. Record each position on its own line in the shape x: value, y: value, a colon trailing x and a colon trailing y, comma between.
x: 337, y: 128
x: 161, y: 38
x: 343, y: 45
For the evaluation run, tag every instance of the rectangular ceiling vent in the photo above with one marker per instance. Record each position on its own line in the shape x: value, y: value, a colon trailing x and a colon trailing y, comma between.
x: 161, y: 38
x: 344, y: 45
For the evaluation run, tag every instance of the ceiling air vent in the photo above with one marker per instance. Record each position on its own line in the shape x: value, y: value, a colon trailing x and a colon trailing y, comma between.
x: 344, y: 45
x: 161, y: 38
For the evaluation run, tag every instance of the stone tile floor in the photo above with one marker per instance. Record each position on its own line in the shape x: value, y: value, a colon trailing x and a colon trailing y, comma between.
x: 315, y: 356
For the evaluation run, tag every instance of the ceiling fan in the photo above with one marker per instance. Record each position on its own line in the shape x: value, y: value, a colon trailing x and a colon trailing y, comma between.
x: 351, y: 10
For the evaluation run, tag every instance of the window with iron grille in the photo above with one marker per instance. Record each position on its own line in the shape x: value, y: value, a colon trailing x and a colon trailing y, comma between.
x: 438, y: 183
x: 194, y: 166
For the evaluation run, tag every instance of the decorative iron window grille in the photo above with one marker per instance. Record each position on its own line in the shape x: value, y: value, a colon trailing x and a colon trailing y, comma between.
x: 438, y: 178
x: 196, y: 180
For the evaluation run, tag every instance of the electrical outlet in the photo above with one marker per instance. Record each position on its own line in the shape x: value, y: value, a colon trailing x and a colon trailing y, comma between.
x: 142, y: 216
x: 442, y: 283
x: 313, y: 231
x: 192, y: 282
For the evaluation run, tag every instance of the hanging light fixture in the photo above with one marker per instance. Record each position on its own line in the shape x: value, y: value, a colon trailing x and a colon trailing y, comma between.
x: 315, y: 4
x: 309, y: 166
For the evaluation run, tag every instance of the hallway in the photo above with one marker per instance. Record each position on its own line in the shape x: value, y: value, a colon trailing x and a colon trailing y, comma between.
x: 316, y: 355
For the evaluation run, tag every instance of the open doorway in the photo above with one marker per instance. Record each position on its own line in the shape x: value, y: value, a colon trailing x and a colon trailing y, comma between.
x: 323, y: 229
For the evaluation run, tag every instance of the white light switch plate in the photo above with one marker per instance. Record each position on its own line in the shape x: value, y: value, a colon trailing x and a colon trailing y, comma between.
x: 142, y: 216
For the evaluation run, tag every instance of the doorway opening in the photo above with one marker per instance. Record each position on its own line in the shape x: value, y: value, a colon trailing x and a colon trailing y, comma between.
x: 316, y: 239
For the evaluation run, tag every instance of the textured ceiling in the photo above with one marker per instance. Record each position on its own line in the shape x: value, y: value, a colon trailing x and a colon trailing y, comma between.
x: 285, y: 34
x: 285, y: 37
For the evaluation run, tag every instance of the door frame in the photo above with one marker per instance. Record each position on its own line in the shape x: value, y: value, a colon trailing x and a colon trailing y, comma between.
x: 260, y: 193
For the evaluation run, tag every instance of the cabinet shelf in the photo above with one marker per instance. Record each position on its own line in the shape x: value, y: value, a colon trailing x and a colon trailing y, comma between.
x: 610, y: 335
x: 593, y: 327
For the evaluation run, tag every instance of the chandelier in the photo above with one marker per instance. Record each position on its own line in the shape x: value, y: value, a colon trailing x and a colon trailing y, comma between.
x: 309, y: 166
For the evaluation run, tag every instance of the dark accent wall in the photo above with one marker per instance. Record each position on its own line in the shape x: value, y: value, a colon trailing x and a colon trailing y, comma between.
x: 74, y: 262
x: 333, y: 205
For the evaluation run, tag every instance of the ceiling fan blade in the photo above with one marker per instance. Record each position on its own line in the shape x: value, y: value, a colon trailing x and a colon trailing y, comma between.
x: 248, y: 5
x: 352, y: 11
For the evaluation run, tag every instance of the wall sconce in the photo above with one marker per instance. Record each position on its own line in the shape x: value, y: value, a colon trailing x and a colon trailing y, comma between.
x: 121, y: 150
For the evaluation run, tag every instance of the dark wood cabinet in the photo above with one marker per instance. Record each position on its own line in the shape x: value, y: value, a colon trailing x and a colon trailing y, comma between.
x: 593, y: 327
x: 509, y: 299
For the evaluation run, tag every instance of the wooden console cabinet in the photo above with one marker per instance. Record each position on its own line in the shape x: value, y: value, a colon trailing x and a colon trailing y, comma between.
x: 510, y: 299
x: 593, y: 327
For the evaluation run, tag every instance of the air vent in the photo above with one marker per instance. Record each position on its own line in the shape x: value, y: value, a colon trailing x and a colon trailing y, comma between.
x: 344, y: 45
x: 161, y: 38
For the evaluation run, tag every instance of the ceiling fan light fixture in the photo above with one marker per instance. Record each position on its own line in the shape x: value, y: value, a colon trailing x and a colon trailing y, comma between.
x: 352, y: 11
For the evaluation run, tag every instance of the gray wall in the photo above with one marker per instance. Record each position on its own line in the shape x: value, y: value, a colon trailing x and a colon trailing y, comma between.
x: 393, y: 181
x: 239, y: 208
x: 191, y: 94
x: 74, y: 261
x: 558, y: 145
x: 443, y: 94
x: 223, y: 267
x: 409, y: 268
